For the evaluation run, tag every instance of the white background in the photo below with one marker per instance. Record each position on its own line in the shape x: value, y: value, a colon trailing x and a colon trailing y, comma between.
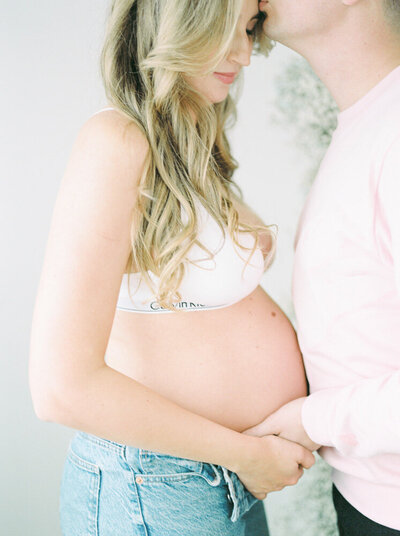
x: 50, y: 85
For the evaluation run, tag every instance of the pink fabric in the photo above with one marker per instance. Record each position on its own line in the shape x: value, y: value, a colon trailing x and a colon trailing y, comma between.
x: 346, y: 289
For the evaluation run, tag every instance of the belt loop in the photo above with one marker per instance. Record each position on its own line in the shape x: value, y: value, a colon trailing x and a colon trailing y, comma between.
x: 217, y: 479
x: 231, y: 495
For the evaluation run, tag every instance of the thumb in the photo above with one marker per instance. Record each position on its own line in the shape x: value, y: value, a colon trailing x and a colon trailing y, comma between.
x: 262, y: 429
x: 306, y: 458
x: 252, y: 431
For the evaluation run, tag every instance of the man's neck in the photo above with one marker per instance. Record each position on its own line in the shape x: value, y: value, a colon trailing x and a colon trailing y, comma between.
x: 354, y: 66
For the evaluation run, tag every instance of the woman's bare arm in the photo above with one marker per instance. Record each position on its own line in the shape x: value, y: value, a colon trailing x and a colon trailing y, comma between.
x: 86, y: 255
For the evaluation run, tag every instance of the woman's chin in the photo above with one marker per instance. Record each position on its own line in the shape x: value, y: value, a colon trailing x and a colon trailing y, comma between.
x: 219, y: 97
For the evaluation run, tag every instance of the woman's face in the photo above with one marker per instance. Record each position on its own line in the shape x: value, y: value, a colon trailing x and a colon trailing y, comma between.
x: 215, y: 86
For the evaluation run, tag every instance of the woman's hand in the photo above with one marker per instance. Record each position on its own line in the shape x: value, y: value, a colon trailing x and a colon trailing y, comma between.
x: 272, y: 463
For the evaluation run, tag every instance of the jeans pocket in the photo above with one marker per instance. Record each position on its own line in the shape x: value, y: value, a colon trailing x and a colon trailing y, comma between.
x: 166, y: 467
x: 79, y: 497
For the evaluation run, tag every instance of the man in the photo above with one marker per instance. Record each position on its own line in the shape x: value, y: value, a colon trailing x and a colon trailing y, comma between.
x: 347, y: 265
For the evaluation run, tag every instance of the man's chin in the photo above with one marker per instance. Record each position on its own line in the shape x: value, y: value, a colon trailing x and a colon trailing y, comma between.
x: 273, y: 33
x: 269, y: 31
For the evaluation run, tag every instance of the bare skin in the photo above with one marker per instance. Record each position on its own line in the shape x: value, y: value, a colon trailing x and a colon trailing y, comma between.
x: 350, y: 44
x: 184, y: 385
x: 233, y: 365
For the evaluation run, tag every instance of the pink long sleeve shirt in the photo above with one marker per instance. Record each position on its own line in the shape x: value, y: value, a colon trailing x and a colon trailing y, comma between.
x: 346, y: 289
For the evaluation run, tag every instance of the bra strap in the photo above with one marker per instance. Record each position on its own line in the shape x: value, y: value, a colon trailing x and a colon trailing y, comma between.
x: 103, y: 110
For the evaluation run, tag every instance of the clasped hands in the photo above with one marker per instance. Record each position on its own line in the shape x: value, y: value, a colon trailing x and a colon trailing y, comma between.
x: 286, y: 423
x: 287, y: 451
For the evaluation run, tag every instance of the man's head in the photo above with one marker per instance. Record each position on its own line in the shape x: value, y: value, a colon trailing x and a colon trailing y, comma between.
x: 302, y: 23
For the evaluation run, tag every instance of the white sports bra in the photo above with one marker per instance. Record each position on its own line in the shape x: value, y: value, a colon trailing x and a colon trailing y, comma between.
x: 207, y: 283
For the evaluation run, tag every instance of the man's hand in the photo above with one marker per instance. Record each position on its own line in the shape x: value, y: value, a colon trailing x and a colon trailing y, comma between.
x: 286, y: 423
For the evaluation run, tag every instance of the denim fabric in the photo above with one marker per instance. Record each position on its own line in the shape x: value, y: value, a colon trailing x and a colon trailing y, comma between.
x: 110, y: 489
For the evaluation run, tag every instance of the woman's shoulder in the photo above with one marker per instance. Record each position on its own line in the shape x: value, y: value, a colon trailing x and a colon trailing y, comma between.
x: 109, y: 153
x: 110, y: 133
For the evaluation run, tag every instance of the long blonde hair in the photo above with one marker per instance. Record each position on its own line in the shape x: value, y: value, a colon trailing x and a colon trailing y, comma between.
x: 149, y: 45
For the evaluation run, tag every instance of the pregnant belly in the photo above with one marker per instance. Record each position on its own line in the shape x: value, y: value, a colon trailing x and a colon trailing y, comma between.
x: 234, y: 365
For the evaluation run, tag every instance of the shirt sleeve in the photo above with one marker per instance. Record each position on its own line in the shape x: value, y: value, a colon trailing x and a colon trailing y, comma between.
x: 359, y: 420
x: 363, y: 419
x: 388, y: 206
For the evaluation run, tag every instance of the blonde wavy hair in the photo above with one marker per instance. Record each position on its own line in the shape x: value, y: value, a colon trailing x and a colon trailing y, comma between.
x: 149, y: 47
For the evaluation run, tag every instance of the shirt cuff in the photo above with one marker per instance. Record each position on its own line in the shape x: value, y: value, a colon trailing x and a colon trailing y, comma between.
x: 316, y: 417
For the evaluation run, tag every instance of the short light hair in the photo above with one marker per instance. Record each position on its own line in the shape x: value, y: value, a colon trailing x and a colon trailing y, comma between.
x: 392, y: 12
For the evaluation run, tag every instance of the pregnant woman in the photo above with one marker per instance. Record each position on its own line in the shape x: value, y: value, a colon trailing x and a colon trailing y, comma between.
x: 151, y: 335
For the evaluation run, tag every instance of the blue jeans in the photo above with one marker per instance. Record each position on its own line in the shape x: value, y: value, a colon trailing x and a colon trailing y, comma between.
x: 110, y: 489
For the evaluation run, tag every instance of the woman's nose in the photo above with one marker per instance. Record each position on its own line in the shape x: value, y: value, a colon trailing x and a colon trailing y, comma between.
x: 241, y: 50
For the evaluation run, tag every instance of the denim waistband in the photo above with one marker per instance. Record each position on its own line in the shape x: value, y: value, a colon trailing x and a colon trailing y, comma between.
x: 216, y: 475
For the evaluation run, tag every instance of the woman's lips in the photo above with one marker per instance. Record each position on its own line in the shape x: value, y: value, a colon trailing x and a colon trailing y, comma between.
x: 226, y: 78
